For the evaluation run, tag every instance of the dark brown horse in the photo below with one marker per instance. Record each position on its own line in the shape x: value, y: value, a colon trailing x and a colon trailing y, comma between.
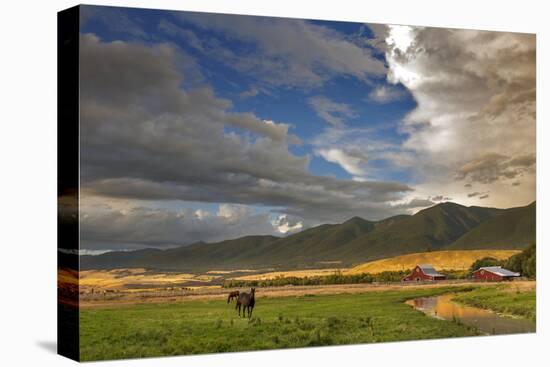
x: 234, y: 294
x: 247, y: 301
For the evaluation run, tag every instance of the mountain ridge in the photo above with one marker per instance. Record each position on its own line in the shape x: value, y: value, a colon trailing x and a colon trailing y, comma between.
x: 440, y: 227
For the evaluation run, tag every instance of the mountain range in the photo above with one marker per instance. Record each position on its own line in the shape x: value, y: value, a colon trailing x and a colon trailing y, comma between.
x: 444, y: 226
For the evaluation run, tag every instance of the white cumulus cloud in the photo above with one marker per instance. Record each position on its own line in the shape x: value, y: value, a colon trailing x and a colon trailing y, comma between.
x: 351, y: 161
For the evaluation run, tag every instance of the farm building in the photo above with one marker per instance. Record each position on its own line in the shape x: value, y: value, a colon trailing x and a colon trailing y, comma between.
x: 494, y: 274
x: 424, y: 272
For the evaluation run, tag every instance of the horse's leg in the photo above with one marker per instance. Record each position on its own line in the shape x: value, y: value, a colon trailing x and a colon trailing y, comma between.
x: 250, y: 312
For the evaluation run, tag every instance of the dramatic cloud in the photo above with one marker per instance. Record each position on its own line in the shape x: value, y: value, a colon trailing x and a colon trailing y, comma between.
x: 147, y: 139
x: 380, y: 33
x: 109, y: 226
x: 492, y: 167
x: 167, y: 157
x: 475, y: 118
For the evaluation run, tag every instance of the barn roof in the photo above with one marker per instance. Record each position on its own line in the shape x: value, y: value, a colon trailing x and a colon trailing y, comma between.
x: 429, y: 270
x: 500, y: 271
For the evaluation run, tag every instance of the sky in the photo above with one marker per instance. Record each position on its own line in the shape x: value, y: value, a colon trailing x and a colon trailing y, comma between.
x: 204, y: 127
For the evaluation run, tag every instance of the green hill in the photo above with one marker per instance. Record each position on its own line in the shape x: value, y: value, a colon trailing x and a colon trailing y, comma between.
x: 429, y: 229
x: 444, y: 226
x: 198, y: 255
x: 323, y: 243
x: 513, y: 229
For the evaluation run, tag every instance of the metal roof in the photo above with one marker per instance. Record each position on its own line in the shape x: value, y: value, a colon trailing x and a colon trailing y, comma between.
x: 500, y: 271
x: 429, y: 270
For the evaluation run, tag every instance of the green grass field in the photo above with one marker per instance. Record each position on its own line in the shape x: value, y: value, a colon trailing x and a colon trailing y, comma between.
x: 502, y: 299
x: 287, y: 322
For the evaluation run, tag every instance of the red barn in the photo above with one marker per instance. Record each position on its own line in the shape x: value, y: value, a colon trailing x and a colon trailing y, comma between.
x: 424, y: 272
x: 494, y: 274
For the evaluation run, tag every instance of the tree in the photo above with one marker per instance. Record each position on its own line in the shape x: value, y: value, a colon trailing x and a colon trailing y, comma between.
x: 525, y: 262
x: 486, y: 261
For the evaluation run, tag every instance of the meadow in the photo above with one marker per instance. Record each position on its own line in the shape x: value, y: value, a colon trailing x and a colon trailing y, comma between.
x: 506, y: 299
x: 141, y: 313
x: 209, y: 326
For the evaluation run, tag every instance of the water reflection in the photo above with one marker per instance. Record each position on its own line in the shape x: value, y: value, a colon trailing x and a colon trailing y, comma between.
x: 485, y: 321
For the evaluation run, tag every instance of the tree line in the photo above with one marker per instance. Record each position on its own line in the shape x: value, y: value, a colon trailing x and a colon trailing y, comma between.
x: 336, y: 278
x: 524, y: 263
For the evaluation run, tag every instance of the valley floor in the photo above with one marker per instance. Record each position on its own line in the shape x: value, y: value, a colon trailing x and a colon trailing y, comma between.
x: 211, y: 325
x: 130, y: 297
x: 291, y: 318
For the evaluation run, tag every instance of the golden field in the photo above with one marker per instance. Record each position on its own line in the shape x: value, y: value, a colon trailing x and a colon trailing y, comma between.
x: 127, y: 278
x: 290, y: 273
x: 139, y: 280
x: 441, y: 260
x: 132, y: 286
